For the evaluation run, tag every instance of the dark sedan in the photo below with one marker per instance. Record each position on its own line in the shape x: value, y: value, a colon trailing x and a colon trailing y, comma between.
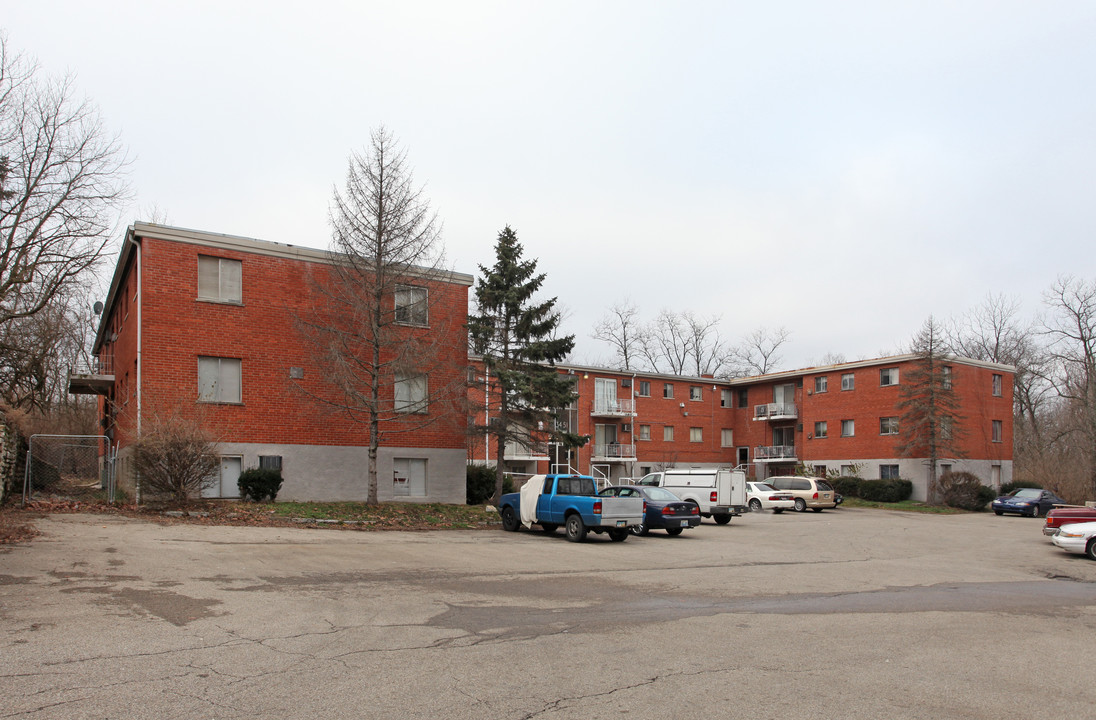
x: 665, y: 511
x: 1031, y: 502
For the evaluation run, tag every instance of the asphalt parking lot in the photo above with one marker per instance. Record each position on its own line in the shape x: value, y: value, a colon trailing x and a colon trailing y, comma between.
x: 850, y: 613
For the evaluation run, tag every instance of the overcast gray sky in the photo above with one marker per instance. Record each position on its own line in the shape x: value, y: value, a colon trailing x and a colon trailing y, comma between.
x: 843, y: 169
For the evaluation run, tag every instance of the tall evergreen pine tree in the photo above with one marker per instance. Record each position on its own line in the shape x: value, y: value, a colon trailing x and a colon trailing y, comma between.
x: 516, y: 337
x: 930, y: 420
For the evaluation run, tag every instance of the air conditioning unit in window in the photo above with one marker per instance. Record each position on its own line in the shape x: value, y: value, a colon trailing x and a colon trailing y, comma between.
x: 626, y: 427
x: 626, y: 382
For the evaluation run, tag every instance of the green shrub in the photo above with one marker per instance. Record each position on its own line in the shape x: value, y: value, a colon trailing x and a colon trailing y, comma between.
x: 964, y: 490
x: 258, y: 484
x: 846, y: 485
x: 886, y: 490
x: 1016, y: 484
x: 480, y: 484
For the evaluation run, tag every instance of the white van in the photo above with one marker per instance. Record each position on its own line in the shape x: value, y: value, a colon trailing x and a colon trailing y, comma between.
x: 720, y: 494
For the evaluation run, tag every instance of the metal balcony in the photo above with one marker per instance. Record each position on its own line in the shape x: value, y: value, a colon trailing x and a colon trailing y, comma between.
x: 614, y: 408
x: 776, y: 411
x: 774, y: 453
x: 92, y: 377
x: 610, y: 452
x: 517, y: 451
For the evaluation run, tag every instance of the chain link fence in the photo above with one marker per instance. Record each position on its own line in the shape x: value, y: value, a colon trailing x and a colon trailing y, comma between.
x: 63, y: 468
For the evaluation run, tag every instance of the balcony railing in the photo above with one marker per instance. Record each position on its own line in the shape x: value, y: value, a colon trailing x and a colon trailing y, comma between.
x: 614, y: 451
x: 517, y: 451
x: 93, y: 376
x: 774, y: 452
x: 614, y: 408
x: 775, y: 411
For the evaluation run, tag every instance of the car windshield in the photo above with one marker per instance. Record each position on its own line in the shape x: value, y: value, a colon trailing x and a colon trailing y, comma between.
x: 660, y: 494
x: 763, y: 487
x: 1027, y: 493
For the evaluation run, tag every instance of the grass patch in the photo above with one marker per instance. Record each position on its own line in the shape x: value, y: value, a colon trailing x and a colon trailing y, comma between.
x: 904, y: 505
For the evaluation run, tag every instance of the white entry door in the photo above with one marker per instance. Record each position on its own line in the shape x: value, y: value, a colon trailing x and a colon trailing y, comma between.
x: 230, y: 476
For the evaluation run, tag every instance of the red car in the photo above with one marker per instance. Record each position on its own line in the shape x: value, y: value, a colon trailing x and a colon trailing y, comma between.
x: 1064, y: 515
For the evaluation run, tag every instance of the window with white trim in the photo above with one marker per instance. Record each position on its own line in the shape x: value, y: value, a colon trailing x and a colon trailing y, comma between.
x: 668, y: 390
x: 645, y: 388
x: 821, y: 383
x: 219, y: 380
x: 888, y: 472
x: 998, y: 431
x: 820, y: 429
x: 848, y: 381
x: 644, y: 432
x: 696, y: 434
x: 410, y: 303
x: 410, y: 393
x: 726, y: 437
x: 848, y: 428
x: 888, y: 376
x: 668, y: 433
x: 725, y: 400
x: 997, y: 385
x: 888, y: 426
x: 220, y: 279
x: 945, y: 377
x: 696, y: 392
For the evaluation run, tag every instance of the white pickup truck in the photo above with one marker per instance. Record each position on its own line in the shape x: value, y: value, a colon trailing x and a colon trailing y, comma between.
x: 720, y: 494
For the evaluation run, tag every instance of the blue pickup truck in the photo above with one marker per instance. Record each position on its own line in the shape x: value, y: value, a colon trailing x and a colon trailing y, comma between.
x: 571, y: 501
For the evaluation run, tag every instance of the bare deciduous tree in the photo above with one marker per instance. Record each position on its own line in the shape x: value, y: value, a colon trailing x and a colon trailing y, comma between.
x: 666, y: 343
x: 757, y: 353
x: 620, y: 328
x: 61, y: 186
x: 377, y: 339
x: 1071, y: 331
x: 707, y: 348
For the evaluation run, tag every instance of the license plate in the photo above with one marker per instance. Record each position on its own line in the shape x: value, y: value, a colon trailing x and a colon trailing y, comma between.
x: 621, y: 523
x: 684, y: 523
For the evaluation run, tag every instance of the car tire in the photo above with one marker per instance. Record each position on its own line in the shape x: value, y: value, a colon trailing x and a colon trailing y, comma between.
x: 755, y: 505
x: 777, y: 511
x: 1037, y: 511
x: 619, y: 535
x: 510, y: 520
x: 999, y: 512
x: 817, y: 509
x: 549, y: 528
x: 673, y: 532
x: 800, y: 504
x: 721, y: 519
x: 640, y: 529
x: 576, y: 529
x: 1090, y: 549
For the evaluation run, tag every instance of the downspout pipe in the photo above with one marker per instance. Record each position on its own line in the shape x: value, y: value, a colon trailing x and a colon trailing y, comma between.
x: 140, y: 301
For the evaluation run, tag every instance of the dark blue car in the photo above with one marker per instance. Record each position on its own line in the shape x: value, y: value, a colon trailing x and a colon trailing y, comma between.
x: 1031, y: 502
x: 665, y: 511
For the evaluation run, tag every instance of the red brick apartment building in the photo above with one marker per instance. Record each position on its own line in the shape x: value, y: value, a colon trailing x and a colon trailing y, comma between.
x: 210, y: 323
x: 834, y: 418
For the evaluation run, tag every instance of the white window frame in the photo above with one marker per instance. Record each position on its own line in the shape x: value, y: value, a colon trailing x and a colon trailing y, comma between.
x: 897, y: 471
x: 410, y: 393
x: 848, y: 381
x: 226, y: 274
x: 667, y: 433
x: 888, y: 425
x: 821, y: 430
x: 726, y: 398
x: 997, y: 430
x: 644, y: 432
x: 821, y: 384
x: 848, y: 428
x: 644, y: 388
x: 220, y: 380
x: 998, y: 385
x: 696, y: 434
x: 888, y: 376
x: 946, y: 377
x: 668, y: 391
x: 696, y: 393
x: 726, y: 437
x: 411, y: 305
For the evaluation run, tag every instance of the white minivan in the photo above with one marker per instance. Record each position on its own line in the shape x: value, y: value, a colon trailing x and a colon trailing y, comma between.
x: 720, y: 494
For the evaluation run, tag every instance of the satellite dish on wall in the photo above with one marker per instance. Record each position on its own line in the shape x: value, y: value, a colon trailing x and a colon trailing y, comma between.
x: 97, y: 308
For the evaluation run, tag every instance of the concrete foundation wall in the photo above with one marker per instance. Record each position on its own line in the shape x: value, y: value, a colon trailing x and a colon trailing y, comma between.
x: 917, y: 471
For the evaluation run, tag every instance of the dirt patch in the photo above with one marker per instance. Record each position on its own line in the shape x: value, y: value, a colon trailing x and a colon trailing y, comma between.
x: 17, y: 525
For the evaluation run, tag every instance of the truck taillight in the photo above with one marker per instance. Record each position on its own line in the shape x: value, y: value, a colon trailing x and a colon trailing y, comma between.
x: 597, y: 508
x: 714, y: 497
